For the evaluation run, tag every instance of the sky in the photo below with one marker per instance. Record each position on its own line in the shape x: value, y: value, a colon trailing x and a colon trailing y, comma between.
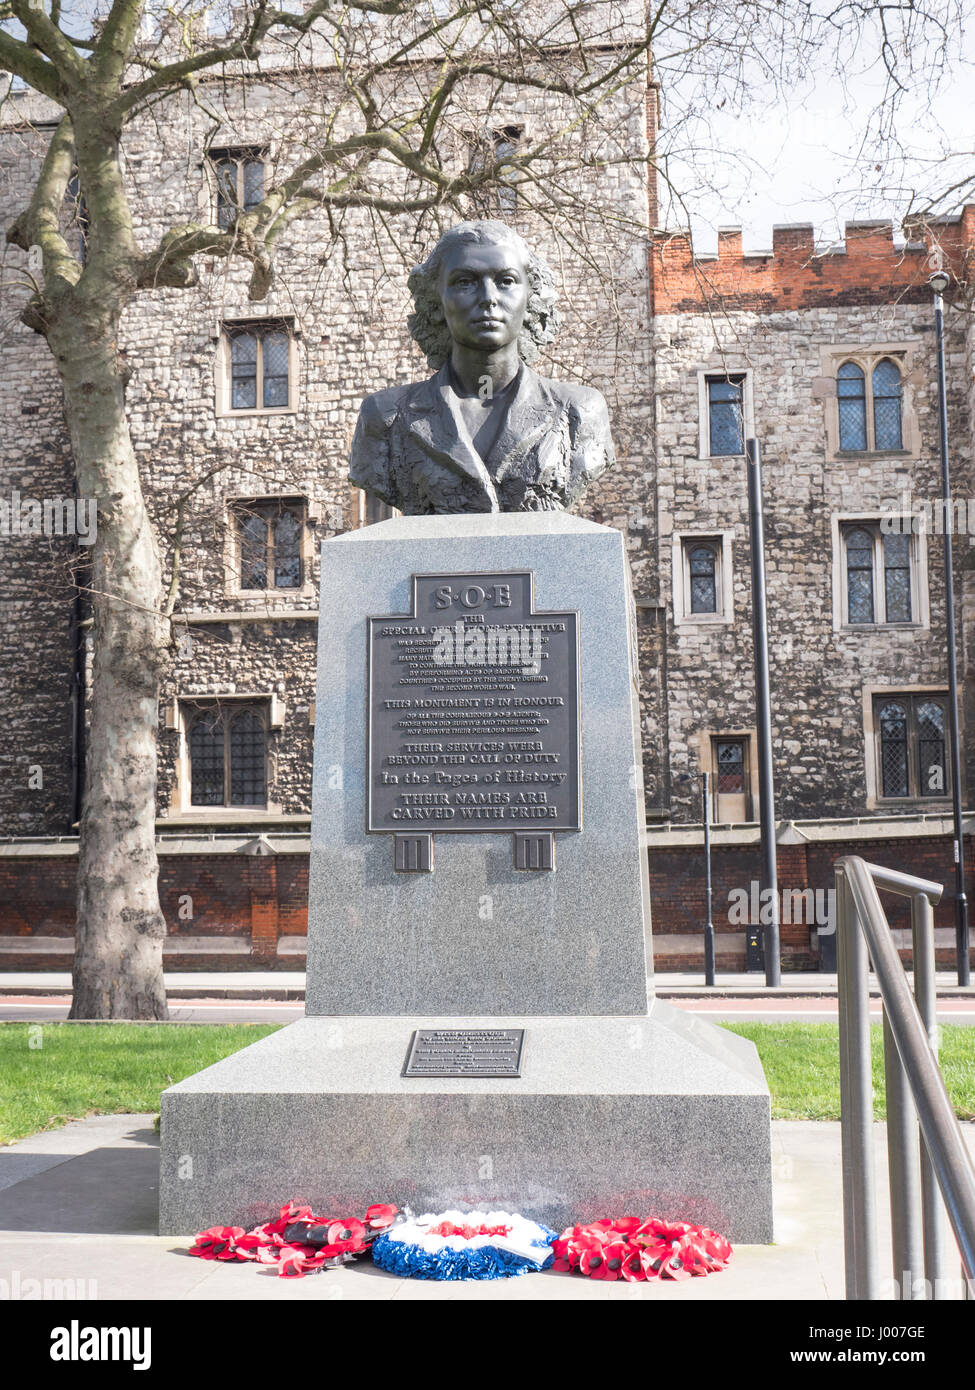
x: 799, y: 156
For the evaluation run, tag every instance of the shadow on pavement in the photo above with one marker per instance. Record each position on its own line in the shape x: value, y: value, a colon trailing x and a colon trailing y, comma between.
x: 107, y: 1191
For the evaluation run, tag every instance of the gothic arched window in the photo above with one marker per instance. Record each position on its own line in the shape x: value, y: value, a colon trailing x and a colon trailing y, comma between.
x: 870, y: 406
x: 851, y: 390
x: 703, y: 564
x: 880, y: 575
x: 911, y: 746
x: 887, y: 432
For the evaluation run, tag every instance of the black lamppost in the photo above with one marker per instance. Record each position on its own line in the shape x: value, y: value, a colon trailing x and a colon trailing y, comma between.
x: 939, y: 282
x: 763, y: 711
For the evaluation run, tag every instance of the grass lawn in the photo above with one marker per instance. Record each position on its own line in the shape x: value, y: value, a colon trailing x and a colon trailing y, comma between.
x: 51, y: 1072
x: 801, y: 1062
x: 54, y: 1072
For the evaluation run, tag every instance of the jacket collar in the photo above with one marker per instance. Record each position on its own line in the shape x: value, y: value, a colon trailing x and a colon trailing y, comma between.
x: 437, y: 425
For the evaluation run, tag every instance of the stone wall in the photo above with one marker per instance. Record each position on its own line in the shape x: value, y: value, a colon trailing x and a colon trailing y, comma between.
x: 37, y: 638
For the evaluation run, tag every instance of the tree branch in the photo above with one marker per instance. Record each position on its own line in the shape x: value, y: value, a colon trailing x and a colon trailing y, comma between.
x: 40, y: 226
x: 26, y: 63
x: 49, y: 39
x: 111, y: 52
x: 171, y: 75
x: 170, y: 263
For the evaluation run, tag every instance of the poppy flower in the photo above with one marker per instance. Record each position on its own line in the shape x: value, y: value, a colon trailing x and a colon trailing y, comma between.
x: 345, y: 1235
x: 626, y: 1225
x: 247, y: 1246
x: 295, y: 1261
x: 675, y: 1267
x: 565, y: 1252
x: 380, y: 1215
x: 653, y: 1255
x: 288, y: 1215
x: 665, y: 1261
x: 613, y: 1254
x: 590, y: 1254
x: 218, y: 1243
x: 632, y: 1267
x: 670, y: 1231
x: 717, y: 1249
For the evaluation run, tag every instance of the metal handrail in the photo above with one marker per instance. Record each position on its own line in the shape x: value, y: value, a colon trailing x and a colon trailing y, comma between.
x: 915, y: 1093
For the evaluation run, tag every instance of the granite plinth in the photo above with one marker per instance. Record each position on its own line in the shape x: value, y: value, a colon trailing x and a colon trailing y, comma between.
x: 478, y: 935
x: 657, y: 1113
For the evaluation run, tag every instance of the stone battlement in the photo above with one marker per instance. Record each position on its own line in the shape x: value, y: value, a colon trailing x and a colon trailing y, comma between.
x: 866, y: 268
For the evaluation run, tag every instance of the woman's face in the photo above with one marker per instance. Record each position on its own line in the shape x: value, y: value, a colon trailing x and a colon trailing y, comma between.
x: 484, y: 293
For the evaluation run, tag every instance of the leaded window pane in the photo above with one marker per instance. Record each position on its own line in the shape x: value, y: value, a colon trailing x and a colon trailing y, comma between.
x: 243, y: 371
x: 851, y: 390
x: 206, y: 759
x: 897, y: 578
x: 726, y: 422
x: 275, y: 350
x: 253, y: 552
x: 887, y: 406
x: 226, y: 172
x: 253, y: 180
x: 704, y: 593
x: 930, y: 718
x: 859, y: 576
x: 287, y: 551
x: 731, y: 766
x: 247, y: 760
x: 893, y: 750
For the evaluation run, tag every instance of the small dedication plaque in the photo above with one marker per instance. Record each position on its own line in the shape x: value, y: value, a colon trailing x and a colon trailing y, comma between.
x: 465, y: 1052
x: 474, y: 710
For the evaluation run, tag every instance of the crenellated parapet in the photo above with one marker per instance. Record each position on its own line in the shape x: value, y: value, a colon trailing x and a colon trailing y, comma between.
x: 865, y: 268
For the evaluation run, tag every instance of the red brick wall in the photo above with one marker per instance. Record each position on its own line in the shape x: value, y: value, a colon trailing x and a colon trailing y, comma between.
x: 794, y: 276
x: 37, y: 896
x: 677, y: 891
x: 250, y: 897
x: 259, y: 899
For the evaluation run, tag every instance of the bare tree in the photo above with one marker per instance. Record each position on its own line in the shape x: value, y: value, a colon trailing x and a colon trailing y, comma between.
x: 398, y: 70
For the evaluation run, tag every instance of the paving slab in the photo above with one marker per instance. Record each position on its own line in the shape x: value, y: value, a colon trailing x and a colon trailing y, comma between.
x: 79, y: 1204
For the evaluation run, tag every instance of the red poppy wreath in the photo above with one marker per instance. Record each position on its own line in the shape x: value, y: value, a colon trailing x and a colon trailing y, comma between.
x: 650, y: 1250
x: 298, y: 1241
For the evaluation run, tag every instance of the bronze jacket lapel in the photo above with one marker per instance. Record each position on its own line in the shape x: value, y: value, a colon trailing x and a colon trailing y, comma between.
x: 438, y: 429
x: 532, y: 417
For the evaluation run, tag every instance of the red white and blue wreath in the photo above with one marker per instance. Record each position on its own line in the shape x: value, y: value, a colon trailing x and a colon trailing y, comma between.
x: 464, y: 1245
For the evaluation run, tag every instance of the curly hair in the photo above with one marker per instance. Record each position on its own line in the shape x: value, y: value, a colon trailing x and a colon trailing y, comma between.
x: 426, y: 323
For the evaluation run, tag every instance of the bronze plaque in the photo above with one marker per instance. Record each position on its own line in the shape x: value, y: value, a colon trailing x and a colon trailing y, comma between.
x: 474, y: 710
x: 465, y: 1052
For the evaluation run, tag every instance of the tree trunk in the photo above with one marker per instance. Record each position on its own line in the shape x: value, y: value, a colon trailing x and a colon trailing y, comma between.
x: 120, y: 927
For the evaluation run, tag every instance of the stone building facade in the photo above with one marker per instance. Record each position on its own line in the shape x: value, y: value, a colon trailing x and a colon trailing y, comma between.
x: 242, y: 414
x: 831, y: 353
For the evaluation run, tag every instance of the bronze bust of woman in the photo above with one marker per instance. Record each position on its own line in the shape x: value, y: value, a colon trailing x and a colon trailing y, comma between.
x: 486, y: 433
